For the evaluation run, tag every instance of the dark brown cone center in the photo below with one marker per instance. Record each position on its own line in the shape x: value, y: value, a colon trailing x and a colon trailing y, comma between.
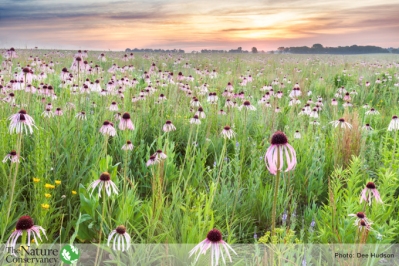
x: 24, y: 223
x: 214, y: 236
x: 370, y: 185
x: 126, y: 116
x: 121, y: 229
x: 105, y: 176
x: 279, y: 138
x: 360, y: 215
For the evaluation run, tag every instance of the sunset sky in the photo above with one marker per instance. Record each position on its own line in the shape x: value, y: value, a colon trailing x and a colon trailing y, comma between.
x: 195, y: 25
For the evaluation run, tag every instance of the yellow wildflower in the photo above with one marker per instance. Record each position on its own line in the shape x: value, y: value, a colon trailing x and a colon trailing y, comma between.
x: 58, y: 182
x: 45, y: 206
x: 47, y: 195
x: 74, y: 192
x: 49, y: 186
x: 36, y: 180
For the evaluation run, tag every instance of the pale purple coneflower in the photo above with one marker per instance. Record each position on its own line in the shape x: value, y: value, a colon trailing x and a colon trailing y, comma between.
x: 153, y: 160
x: 347, y: 97
x: 114, y: 107
x: 160, y: 155
x: 314, y: 113
x: 247, y: 105
x: 11, y: 156
x: 21, y: 122
x: 360, y: 218
x: 48, y: 113
x: 297, y: 135
x: 104, y: 182
x: 107, y: 129
x: 81, y: 115
x: 214, y: 242
x: 221, y: 112
x: 394, y: 124
x: 275, y: 154
x: 347, y: 104
x: 168, y: 127
x: 367, y: 127
x: 195, y: 120
x: 363, y: 225
x: 25, y: 224
x: 372, y: 111
x: 341, y: 122
x: 229, y: 103
x: 125, y: 122
x: 200, y: 113
x: 368, y: 192
x: 122, y: 240
x: 334, y: 102
x: 58, y: 112
x: 128, y: 146
x: 227, y: 132
x: 162, y: 97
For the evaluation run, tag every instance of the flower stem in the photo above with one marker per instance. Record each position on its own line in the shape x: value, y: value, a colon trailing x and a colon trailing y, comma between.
x: 101, y: 228
x: 14, y: 181
x: 276, y: 192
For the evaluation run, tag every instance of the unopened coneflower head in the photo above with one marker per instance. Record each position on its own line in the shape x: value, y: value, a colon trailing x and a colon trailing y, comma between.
x: 125, y: 122
x: 215, y: 243
x: 21, y: 122
x: 26, y: 225
x: 128, y: 146
x: 104, y: 182
x: 275, y: 154
x: 120, y: 238
x: 168, y: 126
x: 369, y: 192
x: 341, y: 123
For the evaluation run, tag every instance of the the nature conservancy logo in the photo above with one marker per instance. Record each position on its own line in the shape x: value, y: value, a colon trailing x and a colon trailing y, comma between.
x: 69, y: 254
x: 43, y: 256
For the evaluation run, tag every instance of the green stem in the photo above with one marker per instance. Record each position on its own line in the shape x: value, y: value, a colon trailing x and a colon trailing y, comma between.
x: 14, y: 181
x: 101, y: 228
x: 276, y: 192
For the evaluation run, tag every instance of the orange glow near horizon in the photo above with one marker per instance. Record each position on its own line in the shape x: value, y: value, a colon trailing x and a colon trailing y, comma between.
x: 194, y: 26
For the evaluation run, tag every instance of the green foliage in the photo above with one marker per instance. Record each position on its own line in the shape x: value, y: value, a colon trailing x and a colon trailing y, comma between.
x: 206, y: 181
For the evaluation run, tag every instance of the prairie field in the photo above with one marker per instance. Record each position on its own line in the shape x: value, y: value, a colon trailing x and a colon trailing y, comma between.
x: 173, y: 145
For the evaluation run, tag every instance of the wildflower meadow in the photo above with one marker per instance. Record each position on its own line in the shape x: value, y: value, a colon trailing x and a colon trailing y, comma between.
x: 212, y: 150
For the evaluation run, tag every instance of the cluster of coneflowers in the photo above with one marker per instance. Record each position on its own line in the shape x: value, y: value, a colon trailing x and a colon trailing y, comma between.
x: 369, y: 193
x: 280, y: 156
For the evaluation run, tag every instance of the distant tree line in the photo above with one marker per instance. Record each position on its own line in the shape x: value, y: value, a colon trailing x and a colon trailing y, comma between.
x: 153, y: 50
x: 238, y: 50
x: 319, y: 49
